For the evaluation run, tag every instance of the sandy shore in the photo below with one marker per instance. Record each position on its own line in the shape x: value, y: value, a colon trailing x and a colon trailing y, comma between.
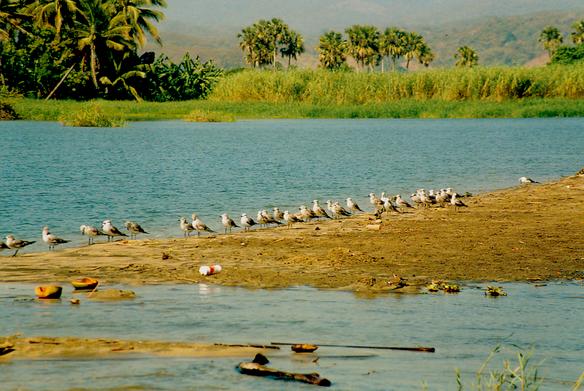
x: 523, y: 233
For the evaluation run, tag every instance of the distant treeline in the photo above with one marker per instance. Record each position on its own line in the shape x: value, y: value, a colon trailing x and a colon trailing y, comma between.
x: 341, y: 88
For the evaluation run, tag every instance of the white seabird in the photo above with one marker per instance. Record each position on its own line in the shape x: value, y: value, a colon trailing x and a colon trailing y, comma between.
x: 290, y: 218
x: 339, y: 210
x: 110, y: 230
x: 269, y: 219
x: 401, y: 203
x: 524, y: 180
x: 278, y: 214
x: 134, y: 228
x: 352, y: 205
x: 90, y: 232
x: 51, y: 239
x: 199, y: 226
x: 454, y: 201
x: 17, y: 244
x: 319, y: 210
x: 246, y: 222
x: 306, y: 214
x: 186, y: 227
x: 228, y: 222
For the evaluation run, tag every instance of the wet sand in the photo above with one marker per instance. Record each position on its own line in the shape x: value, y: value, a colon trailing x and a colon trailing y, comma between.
x: 529, y: 232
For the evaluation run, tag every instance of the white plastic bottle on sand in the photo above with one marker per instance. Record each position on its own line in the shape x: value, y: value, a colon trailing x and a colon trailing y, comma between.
x: 208, y: 270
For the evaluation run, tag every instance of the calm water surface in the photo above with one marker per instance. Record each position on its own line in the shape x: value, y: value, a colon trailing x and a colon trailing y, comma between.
x: 463, y: 328
x: 155, y: 172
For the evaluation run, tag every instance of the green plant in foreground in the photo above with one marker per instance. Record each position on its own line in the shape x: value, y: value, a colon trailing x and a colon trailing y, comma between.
x: 520, y: 376
x: 91, y: 116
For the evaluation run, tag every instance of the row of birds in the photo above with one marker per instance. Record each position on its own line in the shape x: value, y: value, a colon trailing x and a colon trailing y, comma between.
x: 335, y: 210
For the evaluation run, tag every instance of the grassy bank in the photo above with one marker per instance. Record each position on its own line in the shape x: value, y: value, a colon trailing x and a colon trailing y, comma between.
x: 556, y: 91
x: 39, y: 110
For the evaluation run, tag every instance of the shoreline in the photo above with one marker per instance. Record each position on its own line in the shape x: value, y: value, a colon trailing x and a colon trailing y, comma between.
x: 524, y: 233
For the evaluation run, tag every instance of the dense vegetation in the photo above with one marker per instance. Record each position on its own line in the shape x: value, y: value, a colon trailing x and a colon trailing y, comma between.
x: 84, y: 49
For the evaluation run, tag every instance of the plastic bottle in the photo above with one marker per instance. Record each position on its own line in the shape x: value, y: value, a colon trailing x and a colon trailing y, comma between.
x: 208, y: 270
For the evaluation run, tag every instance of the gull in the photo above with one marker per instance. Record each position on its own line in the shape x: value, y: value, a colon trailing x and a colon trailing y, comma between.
x: 16, y: 244
x: 110, y: 230
x: 454, y: 201
x: 51, y: 239
x: 290, y: 218
x: 319, y: 210
x: 199, y: 226
x: 91, y: 233
x: 186, y: 227
x: 352, y: 205
x: 387, y: 204
x: 278, y: 214
x: 134, y: 229
x: 339, y: 210
x: 247, y: 222
x: 374, y: 200
x: 269, y: 219
x: 306, y: 214
x: 524, y: 180
x: 442, y: 197
x: 262, y: 219
x: 416, y: 199
x: 227, y: 222
x: 401, y: 203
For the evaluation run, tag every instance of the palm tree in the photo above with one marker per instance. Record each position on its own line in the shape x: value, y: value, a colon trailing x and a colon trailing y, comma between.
x: 247, y: 41
x: 332, y: 50
x: 10, y: 18
x: 466, y: 57
x: 578, y: 34
x: 99, y: 33
x: 413, y: 43
x: 293, y: 45
x: 54, y: 13
x: 277, y: 30
x: 139, y: 16
x: 363, y: 45
x: 391, y: 44
x: 551, y: 38
x: 425, y: 55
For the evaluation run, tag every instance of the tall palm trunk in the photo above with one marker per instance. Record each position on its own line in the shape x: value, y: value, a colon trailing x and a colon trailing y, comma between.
x: 93, y: 64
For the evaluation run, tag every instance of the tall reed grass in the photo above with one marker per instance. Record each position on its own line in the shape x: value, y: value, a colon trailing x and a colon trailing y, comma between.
x: 348, y: 88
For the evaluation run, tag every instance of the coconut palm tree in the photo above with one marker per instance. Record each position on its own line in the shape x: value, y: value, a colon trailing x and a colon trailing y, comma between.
x: 54, y: 14
x: 391, y: 44
x: 466, y: 57
x: 332, y: 50
x: 10, y: 18
x: 139, y: 16
x: 293, y: 45
x: 100, y: 33
x: 578, y: 34
x: 363, y: 45
x: 425, y: 55
x: 248, y: 42
x: 276, y: 30
x: 551, y: 38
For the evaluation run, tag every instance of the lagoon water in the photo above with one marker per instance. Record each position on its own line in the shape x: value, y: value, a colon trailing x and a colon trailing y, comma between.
x: 462, y: 327
x: 155, y: 172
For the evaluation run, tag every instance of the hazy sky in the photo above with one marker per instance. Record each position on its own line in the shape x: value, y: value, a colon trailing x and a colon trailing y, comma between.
x: 319, y: 15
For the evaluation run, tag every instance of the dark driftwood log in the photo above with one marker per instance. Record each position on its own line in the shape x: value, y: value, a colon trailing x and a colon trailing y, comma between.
x: 257, y: 368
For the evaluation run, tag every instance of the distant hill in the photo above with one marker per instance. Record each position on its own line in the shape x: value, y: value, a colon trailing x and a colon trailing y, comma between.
x: 499, y: 40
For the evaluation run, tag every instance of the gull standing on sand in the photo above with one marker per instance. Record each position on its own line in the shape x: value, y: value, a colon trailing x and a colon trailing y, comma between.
x: 339, y: 210
x: 306, y: 214
x: 17, y: 244
x: 199, y: 226
x: 134, y: 229
x: 525, y: 180
x: 246, y: 222
x: 228, y: 223
x: 319, y: 210
x: 110, y: 230
x: 290, y: 218
x: 269, y: 219
x: 352, y: 205
x: 401, y: 203
x: 278, y: 215
x: 90, y: 232
x: 51, y: 239
x: 261, y: 219
x: 454, y: 201
x: 186, y: 227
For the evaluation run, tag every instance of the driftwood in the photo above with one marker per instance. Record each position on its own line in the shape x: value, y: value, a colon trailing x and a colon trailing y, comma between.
x: 412, y: 349
x: 258, y: 368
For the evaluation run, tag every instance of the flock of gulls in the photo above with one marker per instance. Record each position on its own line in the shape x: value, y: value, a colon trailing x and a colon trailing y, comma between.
x: 333, y: 210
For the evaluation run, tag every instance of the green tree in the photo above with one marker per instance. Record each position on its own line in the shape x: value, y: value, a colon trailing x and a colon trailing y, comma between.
x: 54, y: 14
x: 363, y: 45
x: 332, y: 50
x: 425, y: 55
x: 277, y: 31
x: 578, y: 33
x: 551, y: 38
x: 100, y: 33
x: 10, y: 18
x: 391, y: 44
x: 293, y: 45
x: 248, y: 44
x: 413, y: 44
x: 466, y: 57
x: 140, y: 15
